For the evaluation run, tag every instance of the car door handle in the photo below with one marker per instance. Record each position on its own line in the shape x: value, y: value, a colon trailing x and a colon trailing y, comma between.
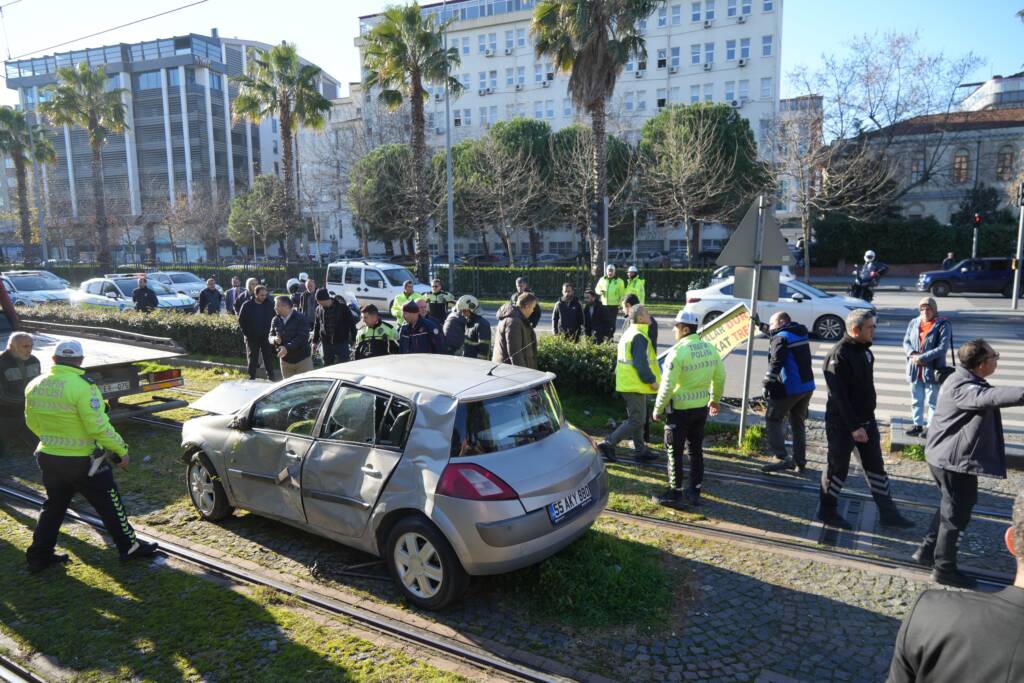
x: 291, y: 455
x: 369, y: 471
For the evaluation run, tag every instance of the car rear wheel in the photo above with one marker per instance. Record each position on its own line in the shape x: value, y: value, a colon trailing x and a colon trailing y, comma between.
x: 829, y: 327
x: 940, y: 289
x: 204, y: 488
x: 711, y: 316
x: 424, y: 565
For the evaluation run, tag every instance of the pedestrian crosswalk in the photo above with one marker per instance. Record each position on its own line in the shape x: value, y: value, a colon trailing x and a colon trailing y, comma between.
x: 891, y: 383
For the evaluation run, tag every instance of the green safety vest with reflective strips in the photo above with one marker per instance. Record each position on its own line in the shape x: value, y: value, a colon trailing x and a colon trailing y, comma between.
x: 693, y: 376
x: 401, y: 300
x: 627, y: 379
x: 66, y: 411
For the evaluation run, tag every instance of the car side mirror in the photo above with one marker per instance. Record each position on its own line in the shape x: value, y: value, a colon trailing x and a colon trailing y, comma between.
x: 798, y: 297
x: 963, y: 270
x: 241, y: 423
x: 112, y: 295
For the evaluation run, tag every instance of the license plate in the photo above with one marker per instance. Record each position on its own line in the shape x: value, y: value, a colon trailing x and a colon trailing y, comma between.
x: 115, y: 387
x: 578, y: 499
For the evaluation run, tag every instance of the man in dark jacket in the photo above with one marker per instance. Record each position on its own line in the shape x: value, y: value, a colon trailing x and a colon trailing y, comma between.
x: 144, y: 298
x: 457, y: 324
x: 517, y: 342
x: 592, y: 312
x: 18, y: 367
x: 419, y: 334
x: 478, y: 334
x: 232, y: 294
x: 965, y: 440
x: 249, y: 293
x: 850, y: 423
x: 333, y: 327
x: 523, y: 287
x: 567, y: 315
x: 210, y: 298
x: 788, y: 387
x: 254, y: 318
x: 376, y: 337
x: 289, y: 333
x: 958, y: 636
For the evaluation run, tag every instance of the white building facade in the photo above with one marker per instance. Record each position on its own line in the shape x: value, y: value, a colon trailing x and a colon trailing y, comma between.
x: 703, y: 51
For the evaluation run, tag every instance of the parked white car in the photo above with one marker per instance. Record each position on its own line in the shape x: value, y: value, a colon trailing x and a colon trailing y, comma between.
x: 370, y: 282
x: 180, y: 281
x: 115, y: 291
x: 822, y: 313
x: 33, y: 287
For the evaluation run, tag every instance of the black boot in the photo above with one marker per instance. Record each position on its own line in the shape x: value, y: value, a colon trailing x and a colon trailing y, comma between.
x: 924, y: 556
x: 670, y: 498
x: 140, y: 550
x: 607, y: 451
x: 36, y: 566
x: 829, y: 517
x: 892, y: 519
x: 779, y: 466
x: 692, y: 497
x: 954, y: 577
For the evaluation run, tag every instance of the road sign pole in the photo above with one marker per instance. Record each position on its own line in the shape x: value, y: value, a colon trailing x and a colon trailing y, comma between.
x: 1020, y: 252
x: 755, y: 291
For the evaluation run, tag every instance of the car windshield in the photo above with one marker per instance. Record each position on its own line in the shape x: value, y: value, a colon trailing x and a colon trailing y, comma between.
x: 128, y: 286
x: 506, y: 422
x: 32, y: 283
x: 396, y: 276
x: 184, y: 278
x: 807, y: 290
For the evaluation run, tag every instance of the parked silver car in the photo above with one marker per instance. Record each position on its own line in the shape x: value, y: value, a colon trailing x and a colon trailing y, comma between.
x: 445, y: 469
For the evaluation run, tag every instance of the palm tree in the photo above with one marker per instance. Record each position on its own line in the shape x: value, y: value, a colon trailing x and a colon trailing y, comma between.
x: 82, y: 97
x: 592, y: 40
x: 277, y: 84
x: 16, y: 142
x: 402, y: 52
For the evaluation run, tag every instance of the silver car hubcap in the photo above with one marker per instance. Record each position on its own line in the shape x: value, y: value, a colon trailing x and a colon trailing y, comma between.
x: 830, y: 328
x: 201, y: 485
x: 419, y: 565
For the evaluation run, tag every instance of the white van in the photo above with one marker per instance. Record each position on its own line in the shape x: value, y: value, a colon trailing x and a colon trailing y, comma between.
x: 370, y: 282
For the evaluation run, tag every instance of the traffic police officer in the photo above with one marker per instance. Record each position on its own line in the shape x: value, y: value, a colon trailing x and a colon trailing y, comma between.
x: 691, y: 387
x: 439, y: 302
x: 611, y: 289
x: 66, y: 411
x: 405, y: 296
x: 376, y: 337
x: 635, y: 285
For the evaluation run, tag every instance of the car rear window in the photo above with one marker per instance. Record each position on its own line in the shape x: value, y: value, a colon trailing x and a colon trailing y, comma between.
x: 506, y: 422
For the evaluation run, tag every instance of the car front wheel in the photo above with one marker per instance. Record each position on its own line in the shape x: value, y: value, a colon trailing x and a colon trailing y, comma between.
x: 424, y: 565
x: 205, y: 490
x: 829, y: 327
x: 711, y: 316
x: 940, y: 289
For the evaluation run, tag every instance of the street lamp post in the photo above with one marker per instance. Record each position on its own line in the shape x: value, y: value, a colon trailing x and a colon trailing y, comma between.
x: 448, y: 154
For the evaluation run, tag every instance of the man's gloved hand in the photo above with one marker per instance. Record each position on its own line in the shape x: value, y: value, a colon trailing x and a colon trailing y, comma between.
x: 773, y: 389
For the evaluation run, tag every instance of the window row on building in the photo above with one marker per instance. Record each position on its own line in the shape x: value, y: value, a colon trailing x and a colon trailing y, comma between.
x: 962, y: 170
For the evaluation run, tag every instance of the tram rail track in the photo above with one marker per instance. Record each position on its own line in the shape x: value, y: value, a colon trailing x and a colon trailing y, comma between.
x: 13, y: 672
x: 445, y: 647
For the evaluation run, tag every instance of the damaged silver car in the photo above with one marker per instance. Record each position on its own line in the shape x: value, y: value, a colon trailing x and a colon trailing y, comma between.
x: 445, y: 467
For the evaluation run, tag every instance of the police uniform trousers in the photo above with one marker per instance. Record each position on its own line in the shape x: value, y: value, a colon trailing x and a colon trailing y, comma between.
x: 63, y: 477
x: 833, y: 477
x: 685, y: 428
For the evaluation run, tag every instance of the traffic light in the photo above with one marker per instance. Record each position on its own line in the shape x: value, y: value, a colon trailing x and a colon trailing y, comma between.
x: 977, y: 220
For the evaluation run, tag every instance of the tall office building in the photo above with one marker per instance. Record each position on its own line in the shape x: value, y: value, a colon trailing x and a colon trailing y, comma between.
x: 703, y: 51
x: 174, y: 90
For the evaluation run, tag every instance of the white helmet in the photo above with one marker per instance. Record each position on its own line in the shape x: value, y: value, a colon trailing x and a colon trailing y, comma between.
x: 467, y: 302
x: 293, y: 282
x: 303, y: 277
x: 869, y: 255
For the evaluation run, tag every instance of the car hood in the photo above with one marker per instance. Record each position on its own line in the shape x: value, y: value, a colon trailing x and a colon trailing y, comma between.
x: 229, y: 397
x: 41, y: 296
x: 934, y: 273
x: 854, y: 302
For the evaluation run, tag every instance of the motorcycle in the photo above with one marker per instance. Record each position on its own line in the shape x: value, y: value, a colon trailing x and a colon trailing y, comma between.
x: 864, y: 288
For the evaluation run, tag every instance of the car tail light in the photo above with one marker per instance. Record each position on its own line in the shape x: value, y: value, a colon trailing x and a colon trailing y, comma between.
x: 164, y: 375
x: 693, y: 300
x: 472, y: 482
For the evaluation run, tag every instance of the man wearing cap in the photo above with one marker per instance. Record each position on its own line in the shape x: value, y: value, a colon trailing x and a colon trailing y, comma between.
x: 18, y: 367
x: 611, y: 290
x: 523, y: 287
x: 376, y: 338
x: 333, y: 327
x: 66, y: 411
x: 635, y: 285
x: 637, y: 376
x: 927, y: 342
x: 439, y: 302
x: 405, y: 296
x: 144, y: 298
x: 289, y: 333
x: 691, y: 387
x: 788, y: 387
x: 419, y: 334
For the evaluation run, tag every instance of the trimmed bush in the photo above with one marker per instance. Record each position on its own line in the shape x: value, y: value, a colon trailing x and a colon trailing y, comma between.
x: 662, y: 284
x: 584, y: 367
x: 215, y: 335
x: 896, y: 241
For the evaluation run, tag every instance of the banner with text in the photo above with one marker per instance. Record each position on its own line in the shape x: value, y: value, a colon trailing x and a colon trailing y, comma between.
x: 727, y: 331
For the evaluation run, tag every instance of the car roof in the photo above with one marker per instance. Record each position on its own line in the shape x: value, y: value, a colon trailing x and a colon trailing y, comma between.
x: 8, y: 273
x: 170, y: 272
x: 461, y: 378
x: 364, y: 263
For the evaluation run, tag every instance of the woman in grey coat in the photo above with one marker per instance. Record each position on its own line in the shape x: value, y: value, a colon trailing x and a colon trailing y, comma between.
x: 516, y: 342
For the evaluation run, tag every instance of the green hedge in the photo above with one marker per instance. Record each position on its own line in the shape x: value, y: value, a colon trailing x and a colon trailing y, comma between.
x: 584, y: 367
x: 216, y: 335
x: 662, y: 284
x: 895, y: 241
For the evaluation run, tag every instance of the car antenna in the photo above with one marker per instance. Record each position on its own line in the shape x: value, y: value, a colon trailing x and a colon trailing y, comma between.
x: 495, y: 367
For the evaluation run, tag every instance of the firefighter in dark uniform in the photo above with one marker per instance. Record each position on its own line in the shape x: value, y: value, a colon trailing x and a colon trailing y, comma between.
x: 376, y: 338
x: 67, y: 412
x: 850, y: 423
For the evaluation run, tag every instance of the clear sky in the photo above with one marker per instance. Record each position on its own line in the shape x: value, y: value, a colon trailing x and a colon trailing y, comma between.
x: 324, y: 29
